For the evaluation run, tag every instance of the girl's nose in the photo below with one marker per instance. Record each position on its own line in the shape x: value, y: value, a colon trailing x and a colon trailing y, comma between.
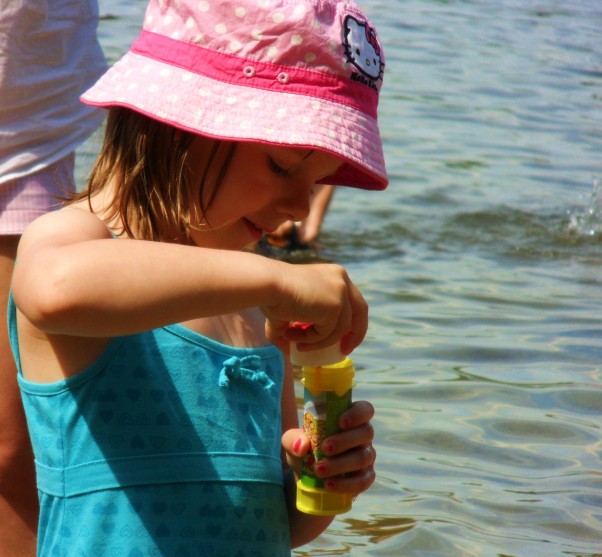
x: 295, y: 203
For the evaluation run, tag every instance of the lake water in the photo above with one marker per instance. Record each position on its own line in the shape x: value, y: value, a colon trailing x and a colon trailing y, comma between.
x: 482, y: 264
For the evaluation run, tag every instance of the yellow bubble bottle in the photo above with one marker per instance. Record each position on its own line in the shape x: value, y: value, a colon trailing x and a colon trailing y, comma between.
x: 328, y: 381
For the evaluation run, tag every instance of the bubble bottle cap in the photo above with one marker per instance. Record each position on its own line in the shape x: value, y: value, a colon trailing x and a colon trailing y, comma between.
x: 321, y: 357
x: 319, y: 502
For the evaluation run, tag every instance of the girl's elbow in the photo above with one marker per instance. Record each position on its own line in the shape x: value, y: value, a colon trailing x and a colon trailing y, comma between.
x: 44, y: 297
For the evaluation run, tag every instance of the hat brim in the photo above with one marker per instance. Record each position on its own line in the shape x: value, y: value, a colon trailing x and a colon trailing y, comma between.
x: 218, y: 109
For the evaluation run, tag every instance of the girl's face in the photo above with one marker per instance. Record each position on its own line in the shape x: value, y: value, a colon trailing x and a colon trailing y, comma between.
x: 264, y: 186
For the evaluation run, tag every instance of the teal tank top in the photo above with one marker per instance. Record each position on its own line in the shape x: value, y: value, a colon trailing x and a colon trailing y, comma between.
x: 167, y: 446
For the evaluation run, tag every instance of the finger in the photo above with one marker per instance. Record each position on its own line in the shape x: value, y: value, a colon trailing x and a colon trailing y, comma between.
x: 349, y: 462
x: 360, y: 413
x: 295, y: 442
x: 359, y: 321
x: 295, y: 445
x: 340, y: 443
x: 331, y: 325
x: 352, y: 483
x: 350, y: 325
x: 321, y: 334
x: 300, y: 332
x: 275, y: 332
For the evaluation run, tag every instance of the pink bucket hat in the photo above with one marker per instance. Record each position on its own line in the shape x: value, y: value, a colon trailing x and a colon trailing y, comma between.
x: 303, y: 73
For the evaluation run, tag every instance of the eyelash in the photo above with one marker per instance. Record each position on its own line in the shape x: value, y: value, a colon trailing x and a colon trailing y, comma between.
x: 277, y: 169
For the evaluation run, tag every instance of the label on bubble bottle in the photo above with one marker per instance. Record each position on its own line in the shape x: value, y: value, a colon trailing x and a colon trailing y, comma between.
x: 320, y: 416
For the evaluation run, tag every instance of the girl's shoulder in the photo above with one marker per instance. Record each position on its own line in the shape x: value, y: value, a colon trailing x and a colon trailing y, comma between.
x: 68, y: 225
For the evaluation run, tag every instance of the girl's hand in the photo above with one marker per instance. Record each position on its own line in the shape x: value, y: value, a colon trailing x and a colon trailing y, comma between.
x: 321, y: 294
x: 349, y: 452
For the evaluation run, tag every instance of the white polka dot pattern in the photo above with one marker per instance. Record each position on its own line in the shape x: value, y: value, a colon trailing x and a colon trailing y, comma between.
x: 241, y: 29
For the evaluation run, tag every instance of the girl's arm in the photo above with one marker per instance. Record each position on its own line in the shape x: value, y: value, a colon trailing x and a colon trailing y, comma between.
x: 350, y: 453
x: 73, y: 278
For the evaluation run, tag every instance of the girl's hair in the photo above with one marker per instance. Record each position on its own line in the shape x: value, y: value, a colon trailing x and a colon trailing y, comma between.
x: 149, y: 162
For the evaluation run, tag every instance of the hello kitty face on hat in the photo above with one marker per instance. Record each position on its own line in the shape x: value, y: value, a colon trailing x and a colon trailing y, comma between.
x: 363, y: 51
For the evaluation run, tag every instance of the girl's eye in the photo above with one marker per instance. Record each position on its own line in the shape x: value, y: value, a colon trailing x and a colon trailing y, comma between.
x: 277, y: 169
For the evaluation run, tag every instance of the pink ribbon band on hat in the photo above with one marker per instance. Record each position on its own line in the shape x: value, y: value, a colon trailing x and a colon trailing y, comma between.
x: 230, y: 68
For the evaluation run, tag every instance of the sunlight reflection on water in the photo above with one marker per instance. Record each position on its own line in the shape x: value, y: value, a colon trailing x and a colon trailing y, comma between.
x: 481, y: 266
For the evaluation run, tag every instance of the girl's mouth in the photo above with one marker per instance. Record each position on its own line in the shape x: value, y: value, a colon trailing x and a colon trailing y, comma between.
x: 254, y: 230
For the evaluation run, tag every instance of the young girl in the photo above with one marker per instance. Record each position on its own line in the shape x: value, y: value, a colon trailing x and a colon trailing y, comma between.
x: 161, y: 411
